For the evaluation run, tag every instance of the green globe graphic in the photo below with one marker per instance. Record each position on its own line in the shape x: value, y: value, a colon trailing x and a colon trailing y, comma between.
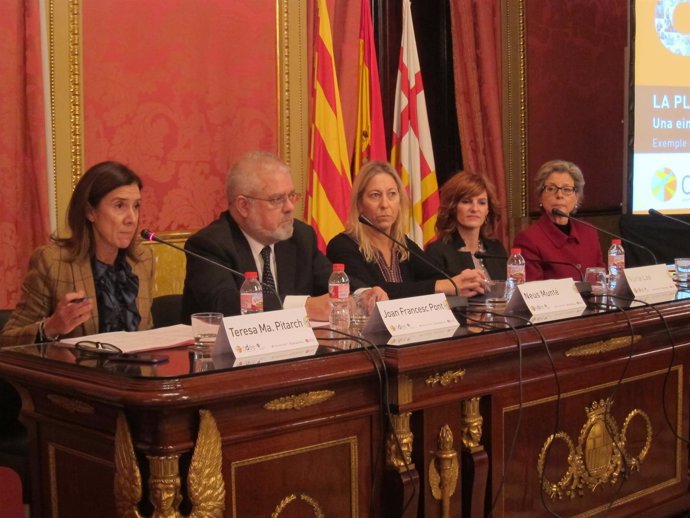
x: 664, y: 184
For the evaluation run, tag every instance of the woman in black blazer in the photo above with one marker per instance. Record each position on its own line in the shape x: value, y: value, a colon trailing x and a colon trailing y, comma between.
x: 374, y: 259
x: 466, y: 219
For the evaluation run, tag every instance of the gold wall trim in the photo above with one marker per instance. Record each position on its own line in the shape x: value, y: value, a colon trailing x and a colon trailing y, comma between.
x: 65, y: 41
x: 354, y: 466
x: 293, y: 95
x: 515, y: 110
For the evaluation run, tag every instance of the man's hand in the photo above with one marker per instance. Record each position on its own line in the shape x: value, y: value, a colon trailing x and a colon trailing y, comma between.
x: 372, y: 296
x: 318, y: 308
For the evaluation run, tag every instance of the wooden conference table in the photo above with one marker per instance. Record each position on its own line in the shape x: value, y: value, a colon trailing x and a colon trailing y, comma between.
x: 483, y: 421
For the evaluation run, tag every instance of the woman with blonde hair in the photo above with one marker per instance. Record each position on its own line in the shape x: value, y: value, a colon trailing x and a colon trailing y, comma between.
x: 375, y: 259
x: 466, y: 219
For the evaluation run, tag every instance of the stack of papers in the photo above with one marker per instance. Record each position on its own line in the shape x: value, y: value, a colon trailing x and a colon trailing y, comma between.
x: 138, y: 341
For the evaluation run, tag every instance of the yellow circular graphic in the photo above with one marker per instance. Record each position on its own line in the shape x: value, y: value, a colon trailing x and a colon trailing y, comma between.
x: 664, y: 184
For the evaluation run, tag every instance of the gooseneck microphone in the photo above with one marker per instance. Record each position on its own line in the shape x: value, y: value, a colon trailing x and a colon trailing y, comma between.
x: 461, y: 301
x: 559, y: 212
x: 482, y: 255
x: 654, y: 212
x: 151, y: 236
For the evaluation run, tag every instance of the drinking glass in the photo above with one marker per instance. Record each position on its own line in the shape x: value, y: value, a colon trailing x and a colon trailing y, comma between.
x: 358, y: 311
x: 495, y: 292
x: 597, y: 279
x: 205, y: 328
x: 682, y: 269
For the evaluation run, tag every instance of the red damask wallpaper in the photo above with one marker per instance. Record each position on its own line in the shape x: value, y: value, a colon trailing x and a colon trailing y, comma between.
x: 178, y: 89
x: 576, y: 91
x: 24, y: 217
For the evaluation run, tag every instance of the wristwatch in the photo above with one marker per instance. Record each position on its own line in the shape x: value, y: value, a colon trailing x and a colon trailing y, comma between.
x: 42, y: 336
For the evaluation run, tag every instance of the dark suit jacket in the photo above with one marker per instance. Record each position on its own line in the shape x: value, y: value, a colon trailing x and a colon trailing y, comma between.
x: 301, y: 268
x: 418, y: 277
x: 453, y: 262
x: 544, y: 241
x: 51, y: 276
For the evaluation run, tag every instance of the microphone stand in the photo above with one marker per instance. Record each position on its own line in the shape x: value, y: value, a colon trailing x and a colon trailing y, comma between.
x: 560, y: 213
x: 654, y: 212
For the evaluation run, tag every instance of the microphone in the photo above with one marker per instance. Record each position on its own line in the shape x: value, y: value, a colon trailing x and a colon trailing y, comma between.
x: 458, y: 300
x: 147, y: 235
x: 559, y: 212
x: 654, y: 212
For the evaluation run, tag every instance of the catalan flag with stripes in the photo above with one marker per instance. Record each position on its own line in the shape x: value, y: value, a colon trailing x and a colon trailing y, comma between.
x: 370, y: 141
x: 412, y: 154
x: 328, y: 192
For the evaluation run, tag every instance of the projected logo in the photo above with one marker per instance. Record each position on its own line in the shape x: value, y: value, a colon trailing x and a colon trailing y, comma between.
x: 664, y: 184
x: 675, y: 41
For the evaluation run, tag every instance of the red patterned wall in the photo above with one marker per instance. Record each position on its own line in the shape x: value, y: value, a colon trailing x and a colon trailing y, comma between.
x: 576, y: 92
x: 178, y: 89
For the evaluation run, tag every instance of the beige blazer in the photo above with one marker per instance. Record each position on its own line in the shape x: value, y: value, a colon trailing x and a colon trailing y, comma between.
x: 51, y: 275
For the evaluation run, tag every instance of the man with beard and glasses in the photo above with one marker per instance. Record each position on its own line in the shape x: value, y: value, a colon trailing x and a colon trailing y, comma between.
x: 259, y: 231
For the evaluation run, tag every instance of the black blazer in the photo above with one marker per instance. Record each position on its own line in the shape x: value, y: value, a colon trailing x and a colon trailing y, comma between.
x: 418, y: 277
x: 301, y: 268
x: 453, y: 262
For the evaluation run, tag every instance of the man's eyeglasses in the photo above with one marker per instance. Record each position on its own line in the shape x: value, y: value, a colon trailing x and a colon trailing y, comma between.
x: 567, y: 190
x: 278, y: 201
x: 97, y: 348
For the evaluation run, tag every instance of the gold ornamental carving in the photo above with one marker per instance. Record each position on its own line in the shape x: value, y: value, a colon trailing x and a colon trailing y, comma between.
x: 444, y: 470
x: 601, y: 346
x: 73, y: 406
x: 316, y: 508
x: 205, y: 485
x: 472, y: 424
x: 600, y: 456
x: 446, y: 378
x: 299, y: 401
x: 399, y: 443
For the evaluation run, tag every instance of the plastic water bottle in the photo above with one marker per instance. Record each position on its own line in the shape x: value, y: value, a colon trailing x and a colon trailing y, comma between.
x: 515, y: 271
x: 251, y: 294
x: 339, y: 293
x: 616, y: 263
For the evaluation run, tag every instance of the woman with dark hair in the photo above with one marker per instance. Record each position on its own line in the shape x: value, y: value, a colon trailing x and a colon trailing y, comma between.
x: 99, y: 278
x: 556, y: 247
x: 466, y: 219
x: 373, y: 258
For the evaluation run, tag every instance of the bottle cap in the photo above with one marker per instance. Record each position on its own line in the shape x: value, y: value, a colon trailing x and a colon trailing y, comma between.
x: 515, y: 251
x: 251, y: 275
x: 338, y: 267
x: 615, y: 241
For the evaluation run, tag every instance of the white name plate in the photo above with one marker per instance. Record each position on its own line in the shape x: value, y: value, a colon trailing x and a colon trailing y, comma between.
x: 649, y: 283
x: 545, y: 297
x: 266, y: 333
x: 412, y: 315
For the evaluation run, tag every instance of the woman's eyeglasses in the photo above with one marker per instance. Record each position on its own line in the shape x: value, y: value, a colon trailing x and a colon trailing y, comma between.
x: 97, y: 348
x: 567, y: 190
